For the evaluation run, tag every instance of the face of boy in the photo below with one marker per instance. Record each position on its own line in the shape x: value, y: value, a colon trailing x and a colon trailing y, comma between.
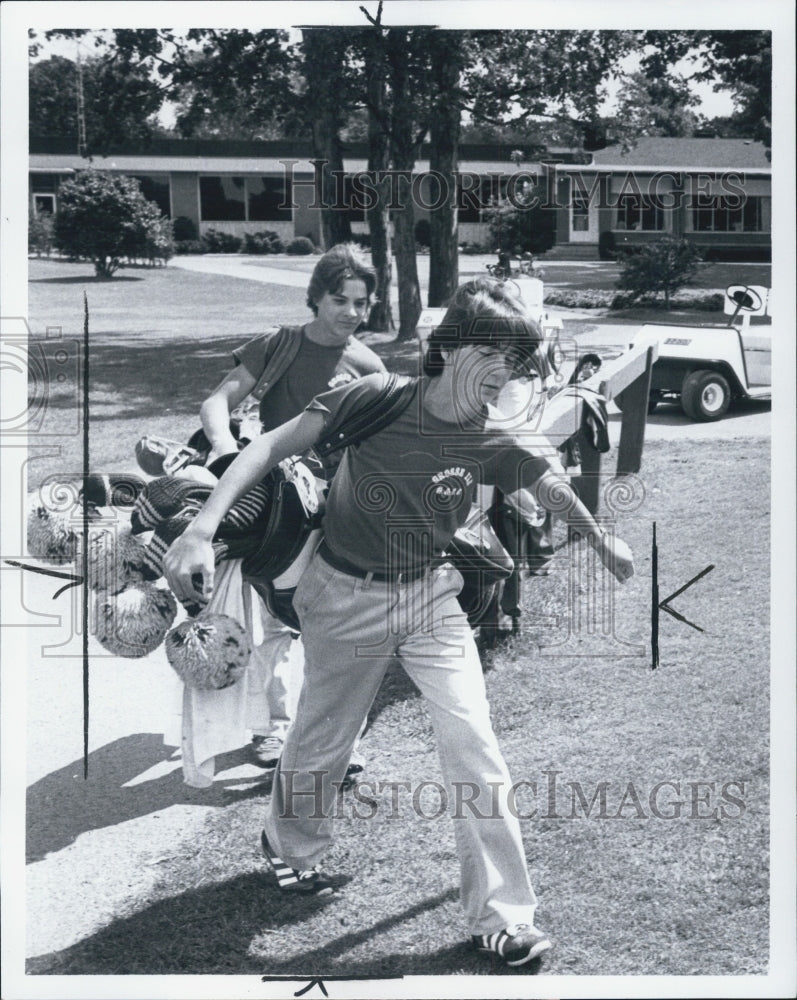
x: 475, y: 375
x: 340, y: 313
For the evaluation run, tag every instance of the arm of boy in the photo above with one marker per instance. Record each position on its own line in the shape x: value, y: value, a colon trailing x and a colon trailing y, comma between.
x: 191, y: 555
x: 216, y: 409
x: 557, y: 495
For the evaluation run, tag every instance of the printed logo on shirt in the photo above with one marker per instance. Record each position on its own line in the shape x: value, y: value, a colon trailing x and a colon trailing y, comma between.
x: 452, y: 482
x: 342, y: 378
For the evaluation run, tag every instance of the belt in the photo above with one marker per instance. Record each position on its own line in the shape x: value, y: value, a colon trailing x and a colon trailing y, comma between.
x: 344, y: 566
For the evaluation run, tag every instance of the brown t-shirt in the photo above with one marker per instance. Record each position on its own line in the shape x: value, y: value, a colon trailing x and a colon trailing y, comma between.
x: 314, y: 370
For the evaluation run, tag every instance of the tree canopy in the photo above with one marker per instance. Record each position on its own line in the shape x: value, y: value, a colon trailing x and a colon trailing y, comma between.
x: 398, y: 87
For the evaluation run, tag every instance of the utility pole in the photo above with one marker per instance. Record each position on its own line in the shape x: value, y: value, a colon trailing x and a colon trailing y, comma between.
x: 81, y: 108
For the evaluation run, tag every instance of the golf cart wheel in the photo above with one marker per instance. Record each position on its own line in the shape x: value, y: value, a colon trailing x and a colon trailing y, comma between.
x: 705, y: 395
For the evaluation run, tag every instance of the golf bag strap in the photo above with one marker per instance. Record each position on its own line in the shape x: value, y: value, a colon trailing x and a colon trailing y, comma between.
x: 382, y: 410
x: 282, y: 349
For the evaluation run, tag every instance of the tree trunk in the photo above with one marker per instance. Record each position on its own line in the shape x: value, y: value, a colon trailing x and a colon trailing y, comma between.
x: 325, y: 52
x: 443, y: 162
x: 377, y: 213
x: 406, y: 265
x: 328, y: 159
x: 403, y: 152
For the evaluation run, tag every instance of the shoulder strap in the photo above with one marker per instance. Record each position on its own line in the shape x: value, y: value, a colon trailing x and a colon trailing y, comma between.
x: 383, y: 409
x: 286, y: 343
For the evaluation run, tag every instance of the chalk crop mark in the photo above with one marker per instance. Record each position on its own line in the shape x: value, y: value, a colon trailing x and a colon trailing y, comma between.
x: 319, y: 981
x: 664, y: 605
x: 85, y: 539
x: 75, y: 581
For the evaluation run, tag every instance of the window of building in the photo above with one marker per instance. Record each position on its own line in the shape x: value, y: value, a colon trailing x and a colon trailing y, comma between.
x: 45, y: 182
x: 725, y: 215
x: 155, y: 187
x: 222, y: 199
x: 637, y: 212
x: 580, y: 209
x: 267, y: 199
x: 44, y: 204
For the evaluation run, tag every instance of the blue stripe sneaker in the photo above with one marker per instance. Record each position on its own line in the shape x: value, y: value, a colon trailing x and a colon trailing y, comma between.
x: 309, y: 881
x: 515, y: 945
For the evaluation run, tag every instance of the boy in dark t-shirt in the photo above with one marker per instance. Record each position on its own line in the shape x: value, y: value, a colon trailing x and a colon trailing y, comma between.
x: 378, y: 588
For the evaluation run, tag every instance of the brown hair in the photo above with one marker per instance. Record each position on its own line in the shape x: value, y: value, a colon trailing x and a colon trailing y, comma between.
x: 484, y: 311
x: 343, y: 262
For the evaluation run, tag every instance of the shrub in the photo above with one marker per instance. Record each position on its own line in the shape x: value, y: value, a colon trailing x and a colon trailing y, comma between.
x: 702, y: 300
x: 216, y: 241
x: 41, y: 234
x: 184, y: 229
x: 300, y: 246
x: 588, y: 298
x: 159, y: 243
x: 263, y: 242
x: 105, y: 218
x: 662, y: 266
x: 468, y: 247
x: 521, y: 225
x: 182, y: 247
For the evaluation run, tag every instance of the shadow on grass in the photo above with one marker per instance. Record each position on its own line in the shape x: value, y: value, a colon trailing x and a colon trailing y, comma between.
x: 241, y: 926
x: 83, y: 279
x: 146, y: 379
x: 63, y: 804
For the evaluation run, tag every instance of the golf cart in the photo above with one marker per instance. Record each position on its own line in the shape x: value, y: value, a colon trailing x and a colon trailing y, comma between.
x: 706, y: 367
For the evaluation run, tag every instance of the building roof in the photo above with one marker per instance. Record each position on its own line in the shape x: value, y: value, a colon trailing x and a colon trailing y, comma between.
x: 715, y: 154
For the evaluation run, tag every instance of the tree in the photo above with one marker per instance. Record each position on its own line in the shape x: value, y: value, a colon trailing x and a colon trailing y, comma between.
x: 377, y: 212
x: 325, y: 70
x: 736, y: 61
x: 659, y: 106
x: 105, y: 218
x: 119, y: 101
x: 662, y: 266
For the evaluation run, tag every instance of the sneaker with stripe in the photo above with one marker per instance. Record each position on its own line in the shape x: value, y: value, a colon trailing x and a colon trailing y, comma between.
x: 515, y: 945
x: 309, y: 880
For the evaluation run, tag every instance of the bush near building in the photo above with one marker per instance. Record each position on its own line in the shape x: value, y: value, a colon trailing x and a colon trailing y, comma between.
x: 106, y: 219
x: 660, y: 267
x: 521, y: 226
x: 263, y: 242
x: 41, y: 234
x: 215, y: 241
x: 301, y: 246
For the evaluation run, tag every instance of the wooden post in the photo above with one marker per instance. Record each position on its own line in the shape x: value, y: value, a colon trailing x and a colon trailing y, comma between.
x: 635, y: 414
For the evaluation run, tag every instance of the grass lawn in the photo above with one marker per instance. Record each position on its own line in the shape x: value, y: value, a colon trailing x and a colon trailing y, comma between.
x: 679, y: 886
x: 623, y: 890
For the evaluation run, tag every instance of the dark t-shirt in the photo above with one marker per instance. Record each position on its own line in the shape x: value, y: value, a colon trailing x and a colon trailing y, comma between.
x: 399, y: 495
x: 314, y: 370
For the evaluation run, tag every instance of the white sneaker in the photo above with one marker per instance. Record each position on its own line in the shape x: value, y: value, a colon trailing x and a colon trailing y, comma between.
x: 266, y: 750
x: 515, y: 945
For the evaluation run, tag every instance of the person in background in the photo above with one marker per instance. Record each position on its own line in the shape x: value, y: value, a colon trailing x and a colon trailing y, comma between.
x: 282, y: 371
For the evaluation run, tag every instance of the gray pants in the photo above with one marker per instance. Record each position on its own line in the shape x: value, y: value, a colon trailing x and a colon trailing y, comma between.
x: 352, y: 629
